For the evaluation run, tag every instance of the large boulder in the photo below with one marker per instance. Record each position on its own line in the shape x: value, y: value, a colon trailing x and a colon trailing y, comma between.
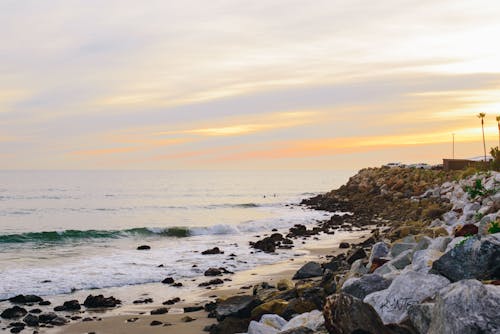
x: 407, y: 289
x: 361, y: 287
x: 312, y: 320
x: 308, y: 270
x: 345, y: 314
x: 466, y: 307
x: 475, y: 258
x: 236, y: 306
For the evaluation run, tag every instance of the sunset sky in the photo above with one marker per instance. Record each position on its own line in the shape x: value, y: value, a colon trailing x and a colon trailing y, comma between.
x: 245, y: 84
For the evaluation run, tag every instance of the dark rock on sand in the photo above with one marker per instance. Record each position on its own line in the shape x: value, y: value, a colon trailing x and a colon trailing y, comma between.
x: 308, y: 270
x: 213, y: 272
x: 143, y: 247
x: 31, y: 320
x: 143, y: 301
x: 70, y: 305
x: 189, y: 309
x: 347, y: 314
x: 475, y: 258
x: 47, y: 317
x: 212, y: 282
x: 212, y: 251
x: 230, y: 325
x: 172, y: 301
x: 358, y: 254
x: 161, y: 310
x: 361, y: 287
x: 236, y: 306
x: 13, y: 312
x: 25, y: 299
x: 168, y: 280
x: 100, y: 301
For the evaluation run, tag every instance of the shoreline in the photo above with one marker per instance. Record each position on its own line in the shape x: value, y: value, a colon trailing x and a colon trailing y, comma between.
x: 116, y: 320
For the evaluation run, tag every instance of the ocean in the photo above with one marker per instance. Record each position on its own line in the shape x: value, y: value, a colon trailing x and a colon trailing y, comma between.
x: 64, y: 231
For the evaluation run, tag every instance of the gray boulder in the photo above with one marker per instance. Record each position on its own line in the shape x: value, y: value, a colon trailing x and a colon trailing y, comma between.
x: 475, y: 258
x: 466, y: 307
x: 361, y: 287
x: 407, y: 289
x: 310, y: 269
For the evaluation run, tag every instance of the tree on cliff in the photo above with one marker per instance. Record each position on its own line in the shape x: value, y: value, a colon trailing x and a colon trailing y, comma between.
x: 498, y: 123
x: 481, y: 116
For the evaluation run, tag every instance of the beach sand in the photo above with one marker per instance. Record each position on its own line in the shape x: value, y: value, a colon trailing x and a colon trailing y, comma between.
x: 116, y: 321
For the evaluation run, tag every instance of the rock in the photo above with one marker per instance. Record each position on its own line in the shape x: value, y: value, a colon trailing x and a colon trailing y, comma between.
x: 276, y: 306
x: 71, y: 305
x: 400, y: 247
x: 59, y: 321
x: 25, y: 299
x: 475, y: 258
x: 161, y: 310
x: 420, y: 315
x: 466, y: 230
x: 345, y: 314
x: 155, y: 323
x: 423, y: 260
x: 308, y: 270
x: 273, y: 320
x: 312, y: 320
x: 405, y: 290
x: 402, y: 260
x: 230, y: 325
x: 284, y: 284
x: 379, y: 250
x: 356, y: 255
x: 172, y: 301
x: 212, y: 251
x: 212, y: 282
x: 236, y: 306
x: 377, y: 263
x: 100, y: 301
x: 168, y: 280
x: 344, y: 245
x: 143, y: 247
x: 361, y: 287
x: 13, y: 312
x: 47, y: 317
x: 213, y: 272
x: 298, y: 330
x: 258, y: 328
x: 267, y: 245
x: 31, y: 320
x: 466, y: 307
x: 189, y: 309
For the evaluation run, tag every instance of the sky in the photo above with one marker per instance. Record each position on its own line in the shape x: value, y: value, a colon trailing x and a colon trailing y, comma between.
x: 237, y: 84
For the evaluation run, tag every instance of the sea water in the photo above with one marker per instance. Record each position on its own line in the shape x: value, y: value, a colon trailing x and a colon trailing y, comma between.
x: 62, y: 231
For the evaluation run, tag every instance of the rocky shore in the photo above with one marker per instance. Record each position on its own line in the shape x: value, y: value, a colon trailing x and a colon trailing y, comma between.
x: 430, y: 263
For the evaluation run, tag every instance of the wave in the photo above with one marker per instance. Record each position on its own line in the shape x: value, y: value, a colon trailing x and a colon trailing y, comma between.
x: 75, y: 235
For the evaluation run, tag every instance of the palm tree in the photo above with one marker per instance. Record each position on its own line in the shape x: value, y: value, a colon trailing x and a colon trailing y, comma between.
x: 481, y: 116
x: 498, y: 123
